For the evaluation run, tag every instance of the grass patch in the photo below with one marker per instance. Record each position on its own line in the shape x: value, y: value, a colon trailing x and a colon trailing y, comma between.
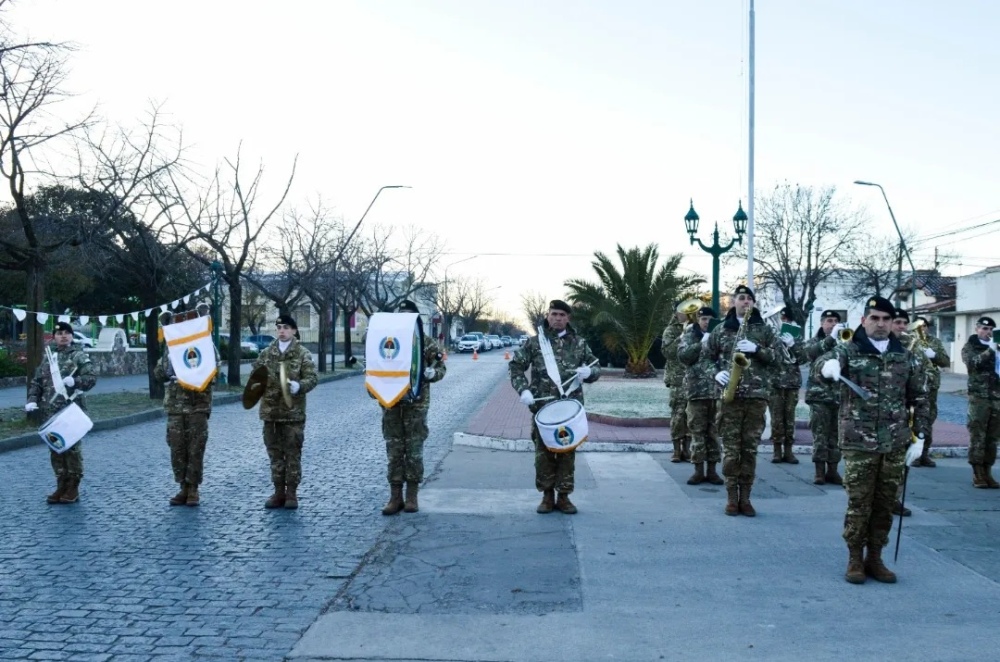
x: 13, y: 421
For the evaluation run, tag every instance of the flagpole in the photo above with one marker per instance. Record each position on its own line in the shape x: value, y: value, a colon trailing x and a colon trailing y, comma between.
x: 750, y: 114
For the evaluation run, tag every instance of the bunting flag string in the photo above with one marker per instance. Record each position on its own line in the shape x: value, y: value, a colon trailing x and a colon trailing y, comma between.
x: 21, y: 314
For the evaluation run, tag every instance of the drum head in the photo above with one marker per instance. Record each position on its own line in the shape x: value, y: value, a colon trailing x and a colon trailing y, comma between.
x: 558, y: 412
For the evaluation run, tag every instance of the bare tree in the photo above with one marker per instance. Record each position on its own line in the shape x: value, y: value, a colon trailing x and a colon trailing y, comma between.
x: 801, y: 236
x: 400, y: 269
x: 872, y: 267
x: 477, y: 302
x: 534, y: 305
x: 450, y: 299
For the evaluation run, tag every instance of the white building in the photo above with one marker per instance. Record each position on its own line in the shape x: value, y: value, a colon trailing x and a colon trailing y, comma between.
x: 976, y: 295
x: 831, y: 294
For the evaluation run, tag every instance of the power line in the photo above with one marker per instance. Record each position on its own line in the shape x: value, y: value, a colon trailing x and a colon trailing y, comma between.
x: 956, y: 231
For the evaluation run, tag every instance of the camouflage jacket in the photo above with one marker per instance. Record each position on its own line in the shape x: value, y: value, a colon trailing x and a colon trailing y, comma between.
x: 931, y: 366
x: 673, y: 369
x: 819, y: 390
x: 71, y: 358
x: 755, y: 383
x: 176, y: 398
x: 300, y: 368
x: 980, y: 362
x: 571, y: 352
x: 786, y: 371
x: 433, y: 358
x: 896, y: 382
x: 699, y: 377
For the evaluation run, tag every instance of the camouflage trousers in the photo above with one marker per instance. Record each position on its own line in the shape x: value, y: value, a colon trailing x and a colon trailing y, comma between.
x: 741, y: 423
x: 187, y: 435
x: 871, y: 481
x: 702, y: 426
x: 932, y: 415
x: 405, y: 431
x: 782, y: 406
x: 283, y: 441
x: 553, y: 471
x: 984, y: 430
x: 68, y: 464
x: 679, y: 428
x: 823, y: 421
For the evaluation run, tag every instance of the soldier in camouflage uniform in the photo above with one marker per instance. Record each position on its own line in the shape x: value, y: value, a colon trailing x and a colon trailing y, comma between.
x: 980, y: 357
x: 78, y: 376
x: 785, y: 393
x: 823, y: 398
x: 875, y: 433
x: 935, y: 357
x: 741, y: 422
x: 703, y: 398
x: 553, y: 471
x: 673, y: 377
x: 404, y: 426
x: 187, y: 426
x: 284, y: 426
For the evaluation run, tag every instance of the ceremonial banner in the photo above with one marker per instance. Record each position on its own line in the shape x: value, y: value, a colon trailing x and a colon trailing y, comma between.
x: 65, y: 429
x: 392, y: 357
x: 192, y: 354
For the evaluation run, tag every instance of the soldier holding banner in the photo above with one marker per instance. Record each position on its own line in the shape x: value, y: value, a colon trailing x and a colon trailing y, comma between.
x: 556, y: 356
x: 53, y: 388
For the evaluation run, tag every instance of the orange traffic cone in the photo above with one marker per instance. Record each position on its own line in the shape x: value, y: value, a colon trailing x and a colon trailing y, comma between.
x: 506, y: 355
x: 475, y: 355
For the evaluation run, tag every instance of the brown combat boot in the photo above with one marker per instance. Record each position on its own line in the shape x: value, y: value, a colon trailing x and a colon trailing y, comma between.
x: 698, y: 477
x: 276, y: 500
x: 565, y: 505
x: 686, y: 449
x: 548, y: 503
x: 60, y: 490
x: 820, y: 478
x: 789, y: 455
x: 988, y: 477
x: 395, y: 503
x: 181, y: 497
x: 855, y: 566
x: 291, y: 496
x: 776, y: 458
x: 746, y: 508
x: 712, y: 477
x: 678, y: 452
x: 899, y: 509
x: 832, y: 475
x: 72, y: 493
x: 978, y: 479
x: 732, y: 498
x: 411, y: 505
x: 875, y: 569
x: 193, y: 498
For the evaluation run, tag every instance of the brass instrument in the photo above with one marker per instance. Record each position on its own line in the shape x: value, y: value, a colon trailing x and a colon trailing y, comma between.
x: 286, y: 393
x: 740, y: 361
x: 845, y: 335
x: 919, y: 331
x: 690, y: 308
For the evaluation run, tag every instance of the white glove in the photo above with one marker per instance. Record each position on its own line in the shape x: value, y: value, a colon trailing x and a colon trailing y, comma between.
x: 69, y: 381
x: 705, y: 337
x: 293, y: 387
x: 788, y: 339
x: 430, y: 373
x: 746, y: 346
x: 527, y: 398
x: 583, y: 372
x: 929, y: 353
x: 722, y: 377
x: 837, y: 328
x: 831, y: 369
x: 31, y: 406
x: 173, y: 378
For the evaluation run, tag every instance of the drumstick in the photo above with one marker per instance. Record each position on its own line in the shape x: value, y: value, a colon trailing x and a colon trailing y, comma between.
x: 590, y: 365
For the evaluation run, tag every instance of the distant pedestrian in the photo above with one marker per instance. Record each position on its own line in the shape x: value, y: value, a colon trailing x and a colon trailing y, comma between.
x: 980, y: 357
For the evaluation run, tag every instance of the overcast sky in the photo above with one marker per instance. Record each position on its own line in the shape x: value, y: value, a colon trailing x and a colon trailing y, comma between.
x: 536, y: 132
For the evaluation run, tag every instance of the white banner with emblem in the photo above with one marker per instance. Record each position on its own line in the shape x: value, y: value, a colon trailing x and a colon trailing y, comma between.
x: 393, y: 362
x: 192, y: 354
x: 65, y: 429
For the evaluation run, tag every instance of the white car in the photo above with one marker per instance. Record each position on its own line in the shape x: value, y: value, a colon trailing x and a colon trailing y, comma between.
x: 469, y: 343
x: 86, y: 341
x: 495, y: 341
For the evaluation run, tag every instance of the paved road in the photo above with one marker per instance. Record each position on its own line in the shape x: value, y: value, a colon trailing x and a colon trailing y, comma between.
x: 123, y: 576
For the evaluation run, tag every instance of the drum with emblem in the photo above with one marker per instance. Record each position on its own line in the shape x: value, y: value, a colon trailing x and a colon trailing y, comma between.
x: 63, y: 430
x: 562, y: 425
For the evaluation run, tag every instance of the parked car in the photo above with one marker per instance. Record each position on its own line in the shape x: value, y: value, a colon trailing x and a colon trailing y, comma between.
x: 523, y: 339
x: 495, y: 341
x: 261, y: 342
x: 245, y: 345
x: 469, y: 343
x: 484, y: 344
x: 86, y: 341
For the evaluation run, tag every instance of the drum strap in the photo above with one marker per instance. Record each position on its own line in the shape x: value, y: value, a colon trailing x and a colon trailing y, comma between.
x: 550, y: 361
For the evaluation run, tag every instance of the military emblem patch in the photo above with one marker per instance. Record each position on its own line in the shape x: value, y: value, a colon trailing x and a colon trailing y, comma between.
x: 564, y: 436
x: 192, y: 357
x: 872, y: 303
x: 55, y: 440
x: 388, y: 347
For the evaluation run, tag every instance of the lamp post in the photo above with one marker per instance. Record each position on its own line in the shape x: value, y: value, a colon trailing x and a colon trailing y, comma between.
x: 333, y: 284
x: 715, y: 250
x: 903, y: 248
x: 217, y: 309
x: 448, y: 316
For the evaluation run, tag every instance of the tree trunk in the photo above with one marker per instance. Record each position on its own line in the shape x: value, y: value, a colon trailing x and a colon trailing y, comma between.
x: 235, y: 315
x: 323, y: 337
x: 34, y: 332
x: 347, y: 336
x: 156, y: 387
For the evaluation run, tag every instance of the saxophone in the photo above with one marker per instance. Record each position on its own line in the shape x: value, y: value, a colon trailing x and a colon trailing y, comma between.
x: 739, y: 362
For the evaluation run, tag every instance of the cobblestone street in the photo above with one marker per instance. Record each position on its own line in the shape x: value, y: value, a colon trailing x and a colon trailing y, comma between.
x: 121, y: 575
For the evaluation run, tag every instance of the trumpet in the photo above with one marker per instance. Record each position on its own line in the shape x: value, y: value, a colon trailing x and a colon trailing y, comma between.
x: 919, y: 330
x: 739, y: 362
x: 845, y: 335
x: 689, y: 308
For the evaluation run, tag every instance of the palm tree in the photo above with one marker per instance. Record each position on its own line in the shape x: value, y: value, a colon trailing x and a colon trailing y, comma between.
x: 630, y: 305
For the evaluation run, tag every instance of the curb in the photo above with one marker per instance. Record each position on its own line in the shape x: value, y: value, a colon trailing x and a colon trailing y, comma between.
x: 32, y: 438
x: 528, y: 446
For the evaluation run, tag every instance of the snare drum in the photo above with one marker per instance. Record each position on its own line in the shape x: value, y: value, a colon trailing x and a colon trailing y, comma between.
x: 562, y: 424
x: 65, y: 429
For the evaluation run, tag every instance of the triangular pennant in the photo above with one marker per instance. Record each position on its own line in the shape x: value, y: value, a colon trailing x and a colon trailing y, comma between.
x: 84, y: 319
x: 135, y: 315
x: 19, y: 314
x: 149, y: 311
x: 103, y: 320
x: 120, y: 317
x: 175, y: 303
x: 187, y: 297
x: 64, y: 318
x: 42, y: 317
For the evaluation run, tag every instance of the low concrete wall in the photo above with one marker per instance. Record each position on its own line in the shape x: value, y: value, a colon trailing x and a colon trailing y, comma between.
x: 10, y: 382
x: 119, y: 361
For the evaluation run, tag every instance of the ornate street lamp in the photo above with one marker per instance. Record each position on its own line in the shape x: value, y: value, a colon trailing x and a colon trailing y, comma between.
x: 691, y: 220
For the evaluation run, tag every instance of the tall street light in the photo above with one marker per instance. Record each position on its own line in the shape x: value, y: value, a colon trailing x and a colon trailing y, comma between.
x: 447, y: 300
x: 333, y: 285
x: 903, y: 249
x: 739, y: 223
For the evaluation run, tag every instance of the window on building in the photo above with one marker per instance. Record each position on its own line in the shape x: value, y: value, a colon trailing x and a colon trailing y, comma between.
x: 303, y: 316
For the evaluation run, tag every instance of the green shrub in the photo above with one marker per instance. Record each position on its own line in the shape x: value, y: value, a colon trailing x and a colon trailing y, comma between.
x: 13, y: 364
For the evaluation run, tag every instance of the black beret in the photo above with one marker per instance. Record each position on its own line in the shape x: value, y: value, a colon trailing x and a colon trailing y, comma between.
x: 559, y: 304
x: 743, y: 289
x: 881, y: 304
x: 707, y: 311
x: 986, y: 321
x: 64, y: 326
x: 901, y: 314
x: 830, y: 313
x: 787, y: 312
x: 408, y: 307
x: 287, y: 320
